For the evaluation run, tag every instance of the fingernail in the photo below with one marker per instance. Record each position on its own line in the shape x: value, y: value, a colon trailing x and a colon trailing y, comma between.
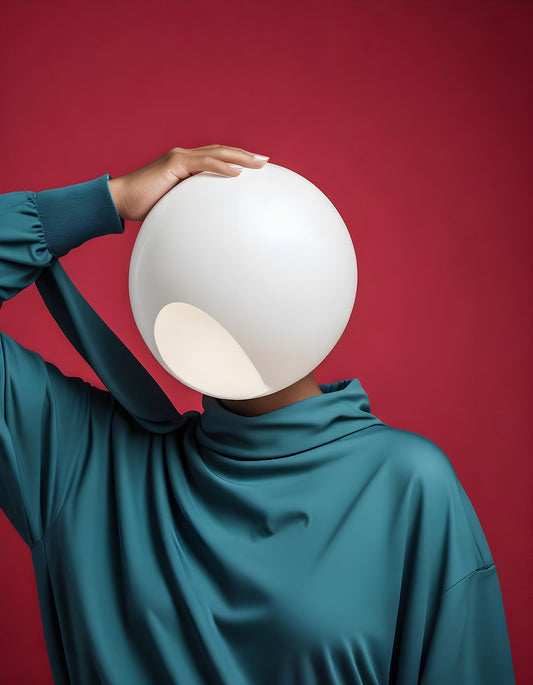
x: 261, y: 158
x: 238, y: 167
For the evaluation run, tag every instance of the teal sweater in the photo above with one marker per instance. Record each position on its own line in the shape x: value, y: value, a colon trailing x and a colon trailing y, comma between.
x: 311, y: 545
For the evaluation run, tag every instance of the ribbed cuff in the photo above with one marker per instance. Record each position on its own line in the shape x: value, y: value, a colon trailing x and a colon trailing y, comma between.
x: 74, y: 214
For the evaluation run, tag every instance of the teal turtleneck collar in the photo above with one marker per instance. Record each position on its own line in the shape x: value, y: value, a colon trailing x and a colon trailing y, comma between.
x: 343, y: 408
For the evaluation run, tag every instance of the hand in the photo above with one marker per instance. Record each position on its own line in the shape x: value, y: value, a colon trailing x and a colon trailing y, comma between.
x: 137, y: 192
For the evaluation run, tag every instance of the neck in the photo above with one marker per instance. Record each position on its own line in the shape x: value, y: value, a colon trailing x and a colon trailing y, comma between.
x: 305, y: 387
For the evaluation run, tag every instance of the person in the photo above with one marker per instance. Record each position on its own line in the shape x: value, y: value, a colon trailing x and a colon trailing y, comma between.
x: 288, y: 539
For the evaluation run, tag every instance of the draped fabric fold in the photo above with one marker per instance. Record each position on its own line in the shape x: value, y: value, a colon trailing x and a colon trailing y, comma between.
x: 309, y: 545
x: 122, y: 374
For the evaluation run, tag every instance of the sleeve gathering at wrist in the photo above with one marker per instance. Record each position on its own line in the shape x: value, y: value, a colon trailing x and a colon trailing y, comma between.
x: 74, y: 214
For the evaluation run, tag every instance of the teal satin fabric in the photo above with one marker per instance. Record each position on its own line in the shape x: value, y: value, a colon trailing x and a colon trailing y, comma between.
x: 312, y: 545
x: 130, y: 383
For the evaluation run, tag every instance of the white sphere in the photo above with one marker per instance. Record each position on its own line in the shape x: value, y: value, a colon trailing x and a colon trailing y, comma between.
x: 240, y: 286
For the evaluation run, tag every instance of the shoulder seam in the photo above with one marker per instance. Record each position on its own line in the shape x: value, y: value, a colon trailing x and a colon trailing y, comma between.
x: 435, y: 606
x: 476, y: 570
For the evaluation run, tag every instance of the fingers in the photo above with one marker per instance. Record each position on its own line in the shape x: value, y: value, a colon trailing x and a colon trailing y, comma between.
x: 219, y: 159
x: 232, y: 155
x: 225, y: 154
x: 207, y: 162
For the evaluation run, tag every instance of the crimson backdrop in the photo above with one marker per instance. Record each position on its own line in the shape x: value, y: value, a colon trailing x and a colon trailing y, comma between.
x: 415, y: 120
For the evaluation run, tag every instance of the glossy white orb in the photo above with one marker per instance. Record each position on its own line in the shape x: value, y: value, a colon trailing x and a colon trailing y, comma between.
x: 240, y: 286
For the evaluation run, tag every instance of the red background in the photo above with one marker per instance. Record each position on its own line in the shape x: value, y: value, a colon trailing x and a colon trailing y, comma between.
x: 413, y: 117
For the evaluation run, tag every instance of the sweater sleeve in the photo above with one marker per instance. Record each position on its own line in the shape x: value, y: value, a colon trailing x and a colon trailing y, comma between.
x: 35, y: 228
x: 451, y: 625
x: 469, y: 643
x: 44, y: 416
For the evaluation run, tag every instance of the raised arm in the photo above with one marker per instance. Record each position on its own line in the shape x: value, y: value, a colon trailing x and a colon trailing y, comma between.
x: 35, y: 228
x: 44, y: 416
x: 46, y: 419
